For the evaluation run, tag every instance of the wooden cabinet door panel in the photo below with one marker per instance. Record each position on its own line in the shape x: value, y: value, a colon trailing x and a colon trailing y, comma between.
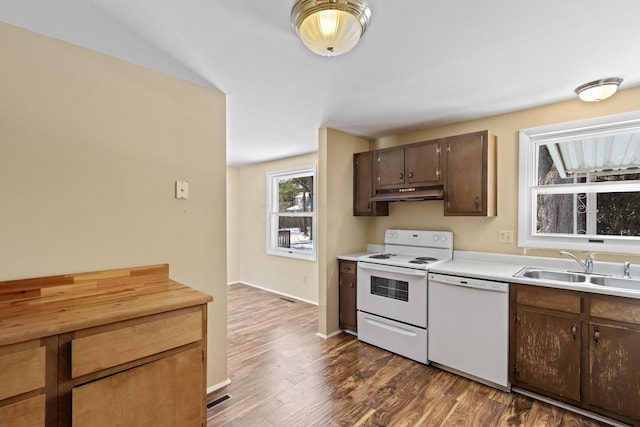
x: 466, y: 169
x: 614, y: 375
x: 547, y: 354
x: 389, y: 167
x: 362, y: 183
x: 363, y: 187
x: 103, y: 350
x: 22, y: 370
x: 25, y: 413
x: 423, y: 164
x: 348, y: 303
x: 167, y: 392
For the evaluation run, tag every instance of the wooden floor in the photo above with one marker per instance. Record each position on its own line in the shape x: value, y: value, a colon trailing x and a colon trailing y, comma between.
x: 283, y: 374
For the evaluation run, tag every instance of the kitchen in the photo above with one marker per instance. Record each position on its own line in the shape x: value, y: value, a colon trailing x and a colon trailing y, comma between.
x: 339, y: 231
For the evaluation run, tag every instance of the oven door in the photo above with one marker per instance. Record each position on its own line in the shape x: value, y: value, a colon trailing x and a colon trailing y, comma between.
x: 396, y: 293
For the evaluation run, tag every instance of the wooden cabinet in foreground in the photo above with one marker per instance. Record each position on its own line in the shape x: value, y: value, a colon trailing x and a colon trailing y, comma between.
x: 577, y: 347
x: 106, y: 348
x: 348, y: 295
x: 470, y: 186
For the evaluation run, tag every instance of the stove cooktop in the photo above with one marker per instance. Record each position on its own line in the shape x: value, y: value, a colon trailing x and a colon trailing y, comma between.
x: 401, y: 260
x: 416, y: 249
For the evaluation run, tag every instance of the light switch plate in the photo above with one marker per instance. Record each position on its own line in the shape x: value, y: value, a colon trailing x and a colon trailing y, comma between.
x: 182, y: 189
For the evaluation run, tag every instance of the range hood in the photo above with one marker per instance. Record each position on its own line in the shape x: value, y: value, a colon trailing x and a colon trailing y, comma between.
x: 409, y: 194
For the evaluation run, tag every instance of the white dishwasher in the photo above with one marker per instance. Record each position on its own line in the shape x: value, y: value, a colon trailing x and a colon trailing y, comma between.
x: 468, y: 324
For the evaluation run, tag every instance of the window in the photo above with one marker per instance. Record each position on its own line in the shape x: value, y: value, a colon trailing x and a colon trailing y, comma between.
x: 291, y: 221
x: 579, y: 185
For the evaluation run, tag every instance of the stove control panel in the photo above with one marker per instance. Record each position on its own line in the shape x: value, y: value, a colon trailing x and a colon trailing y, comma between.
x: 421, y: 238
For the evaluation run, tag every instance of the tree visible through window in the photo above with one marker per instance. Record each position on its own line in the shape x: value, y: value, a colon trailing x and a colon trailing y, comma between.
x: 291, y: 196
x: 579, y: 185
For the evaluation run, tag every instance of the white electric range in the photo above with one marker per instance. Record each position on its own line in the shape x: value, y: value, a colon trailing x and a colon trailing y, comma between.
x: 392, y: 290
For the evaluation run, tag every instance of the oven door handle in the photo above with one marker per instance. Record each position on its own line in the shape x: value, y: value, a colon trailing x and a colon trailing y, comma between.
x: 405, y: 271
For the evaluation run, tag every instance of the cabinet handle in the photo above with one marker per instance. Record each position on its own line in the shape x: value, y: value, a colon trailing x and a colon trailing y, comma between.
x: 477, y: 202
x: 401, y: 176
x: 596, y: 336
x: 369, y: 205
x: 352, y: 284
x: 438, y: 173
x: 378, y: 179
x: 410, y: 174
x: 574, y: 329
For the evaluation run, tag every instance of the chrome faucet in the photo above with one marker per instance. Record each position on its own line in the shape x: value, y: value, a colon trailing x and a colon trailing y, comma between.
x: 626, y: 270
x: 587, y: 264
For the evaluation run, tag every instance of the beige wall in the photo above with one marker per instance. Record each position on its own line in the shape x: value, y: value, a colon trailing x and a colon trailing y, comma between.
x: 233, y: 209
x: 288, y: 276
x: 90, y: 148
x: 339, y: 231
x: 481, y: 234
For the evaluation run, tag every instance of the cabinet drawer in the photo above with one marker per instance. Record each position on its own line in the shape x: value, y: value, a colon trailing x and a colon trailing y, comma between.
x: 23, y: 368
x: 167, y: 392
x: 26, y: 413
x: 348, y: 267
x: 620, y: 310
x: 551, y: 299
x: 106, y: 349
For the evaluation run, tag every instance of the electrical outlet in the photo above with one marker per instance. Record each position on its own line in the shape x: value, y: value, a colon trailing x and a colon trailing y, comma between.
x: 505, y: 236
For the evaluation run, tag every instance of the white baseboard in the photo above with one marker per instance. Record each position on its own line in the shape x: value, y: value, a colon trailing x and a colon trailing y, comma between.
x: 218, y: 386
x: 332, y: 334
x: 275, y: 292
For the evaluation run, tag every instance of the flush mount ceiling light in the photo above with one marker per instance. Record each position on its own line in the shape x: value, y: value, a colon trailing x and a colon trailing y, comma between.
x: 330, y: 27
x: 598, y: 90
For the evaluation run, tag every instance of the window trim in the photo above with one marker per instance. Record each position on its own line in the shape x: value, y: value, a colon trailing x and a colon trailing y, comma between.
x: 529, y: 139
x: 273, y: 214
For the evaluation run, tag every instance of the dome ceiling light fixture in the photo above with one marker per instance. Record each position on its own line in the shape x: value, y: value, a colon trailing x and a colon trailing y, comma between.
x: 330, y: 27
x: 598, y: 90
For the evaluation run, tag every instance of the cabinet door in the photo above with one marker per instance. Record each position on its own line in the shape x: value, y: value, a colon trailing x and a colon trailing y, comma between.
x: 389, y: 167
x: 423, y: 164
x: 167, y: 392
x: 27, y: 382
x: 348, y: 292
x: 547, y: 354
x: 470, y: 185
x: 614, y: 358
x: 363, y: 187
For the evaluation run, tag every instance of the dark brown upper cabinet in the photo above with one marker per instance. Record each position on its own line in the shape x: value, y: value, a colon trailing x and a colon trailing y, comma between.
x: 412, y: 165
x: 363, y: 187
x: 470, y: 185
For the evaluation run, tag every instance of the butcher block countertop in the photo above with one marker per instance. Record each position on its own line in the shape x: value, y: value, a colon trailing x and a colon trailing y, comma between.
x: 45, y: 306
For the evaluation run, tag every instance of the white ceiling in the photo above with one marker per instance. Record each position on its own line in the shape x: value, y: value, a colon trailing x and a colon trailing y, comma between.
x: 421, y: 63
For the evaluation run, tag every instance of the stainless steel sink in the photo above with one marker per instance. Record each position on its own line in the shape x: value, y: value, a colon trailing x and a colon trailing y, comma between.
x: 558, y: 276
x: 579, y: 278
x: 615, y: 282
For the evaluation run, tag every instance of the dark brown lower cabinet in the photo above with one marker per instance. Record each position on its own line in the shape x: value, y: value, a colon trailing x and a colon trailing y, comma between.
x: 613, y: 385
x: 348, y: 295
x: 577, y: 347
x: 548, y: 355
